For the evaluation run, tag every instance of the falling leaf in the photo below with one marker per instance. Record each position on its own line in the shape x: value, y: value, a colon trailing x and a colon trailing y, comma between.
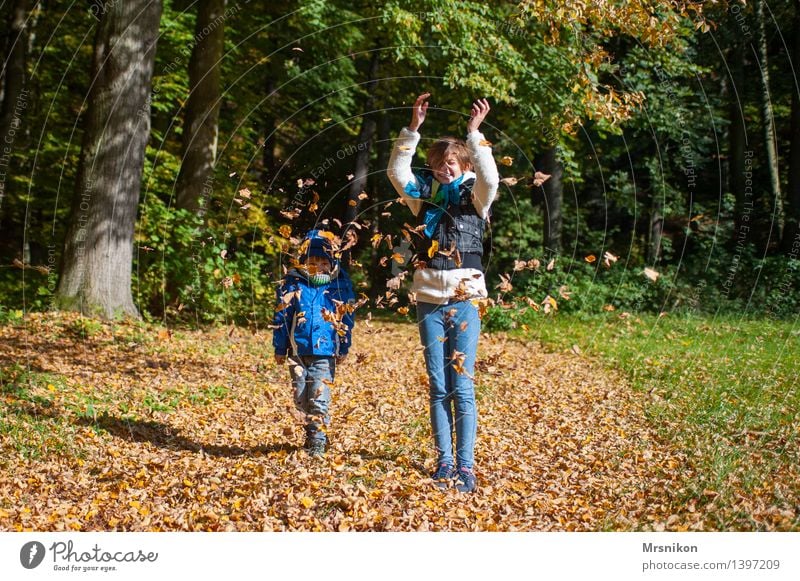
x: 505, y: 284
x: 539, y: 178
x: 506, y: 160
x: 551, y: 265
x: 549, y: 304
x: 297, y: 48
x: 363, y: 196
x: 245, y: 193
x: 564, y: 292
x: 485, y: 143
x: 434, y: 247
x: 590, y: 259
x: 403, y: 310
x: 609, y: 259
x: 651, y: 274
x: 509, y: 181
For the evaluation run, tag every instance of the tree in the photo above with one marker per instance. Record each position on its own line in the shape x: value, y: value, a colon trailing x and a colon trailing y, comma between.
x: 97, y: 256
x: 14, y: 100
x: 767, y: 120
x: 366, y: 136
x: 553, y: 190
x: 792, y: 208
x: 201, y: 124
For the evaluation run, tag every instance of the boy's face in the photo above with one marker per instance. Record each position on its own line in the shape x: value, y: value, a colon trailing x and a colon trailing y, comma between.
x: 448, y: 170
x: 318, y: 265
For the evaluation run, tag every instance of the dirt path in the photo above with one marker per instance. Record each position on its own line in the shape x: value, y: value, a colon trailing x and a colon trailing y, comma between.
x: 133, y: 429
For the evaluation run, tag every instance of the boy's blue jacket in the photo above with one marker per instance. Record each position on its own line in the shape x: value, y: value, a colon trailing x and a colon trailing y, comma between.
x: 299, y: 328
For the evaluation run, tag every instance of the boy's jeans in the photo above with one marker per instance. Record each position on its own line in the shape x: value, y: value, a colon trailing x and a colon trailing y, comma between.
x: 311, y: 394
x: 445, y: 330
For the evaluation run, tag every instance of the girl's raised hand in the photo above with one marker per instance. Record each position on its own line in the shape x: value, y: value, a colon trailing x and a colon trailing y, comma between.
x: 480, y: 109
x: 419, y: 111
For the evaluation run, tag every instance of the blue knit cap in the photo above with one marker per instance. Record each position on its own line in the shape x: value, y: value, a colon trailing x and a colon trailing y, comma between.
x: 318, y: 246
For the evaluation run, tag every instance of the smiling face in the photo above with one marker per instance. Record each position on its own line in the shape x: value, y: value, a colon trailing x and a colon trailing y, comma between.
x: 448, y: 170
x: 448, y: 158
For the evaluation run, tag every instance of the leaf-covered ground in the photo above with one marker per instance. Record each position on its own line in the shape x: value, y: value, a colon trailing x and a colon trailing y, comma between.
x: 125, y: 427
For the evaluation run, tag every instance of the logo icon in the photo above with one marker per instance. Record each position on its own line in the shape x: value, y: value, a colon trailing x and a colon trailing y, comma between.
x: 32, y: 554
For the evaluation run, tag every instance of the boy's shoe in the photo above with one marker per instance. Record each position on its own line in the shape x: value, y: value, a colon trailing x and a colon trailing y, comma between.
x: 465, y: 480
x: 315, y: 447
x: 444, y: 473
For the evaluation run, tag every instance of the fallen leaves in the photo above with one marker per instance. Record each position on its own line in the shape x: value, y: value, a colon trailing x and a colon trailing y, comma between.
x: 555, y: 450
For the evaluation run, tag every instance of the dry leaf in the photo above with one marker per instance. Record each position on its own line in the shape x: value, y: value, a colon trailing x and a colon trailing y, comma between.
x: 539, y: 178
x: 651, y: 274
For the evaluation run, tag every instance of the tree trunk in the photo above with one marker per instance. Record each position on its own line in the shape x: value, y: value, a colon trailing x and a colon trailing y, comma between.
x: 382, y: 192
x: 768, y: 122
x: 366, y: 136
x: 201, y: 124
x: 737, y: 142
x: 97, y: 257
x: 553, y: 190
x: 15, y: 93
x: 791, y: 232
x: 656, y: 227
x: 270, y: 124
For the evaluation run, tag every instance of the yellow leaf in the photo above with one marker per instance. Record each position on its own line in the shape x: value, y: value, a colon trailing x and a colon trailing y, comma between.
x: 307, y: 502
x: 590, y: 259
x: 433, y: 249
x: 507, y: 160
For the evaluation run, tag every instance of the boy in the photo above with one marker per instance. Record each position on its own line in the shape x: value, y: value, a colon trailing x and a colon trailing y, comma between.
x: 312, y: 326
x: 452, y: 201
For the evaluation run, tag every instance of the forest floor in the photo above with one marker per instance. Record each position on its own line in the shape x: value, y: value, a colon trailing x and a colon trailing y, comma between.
x: 133, y: 427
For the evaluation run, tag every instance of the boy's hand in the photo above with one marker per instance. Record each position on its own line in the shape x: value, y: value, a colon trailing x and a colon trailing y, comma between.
x: 480, y: 109
x: 280, y: 359
x: 419, y: 111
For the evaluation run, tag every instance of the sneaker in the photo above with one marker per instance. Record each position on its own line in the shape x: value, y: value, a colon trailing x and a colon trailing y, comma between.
x: 465, y: 480
x: 444, y: 473
x: 315, y: 447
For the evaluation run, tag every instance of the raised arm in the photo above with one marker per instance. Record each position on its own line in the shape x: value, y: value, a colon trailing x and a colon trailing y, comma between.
x: 399, y: 171
x: 487, y: 179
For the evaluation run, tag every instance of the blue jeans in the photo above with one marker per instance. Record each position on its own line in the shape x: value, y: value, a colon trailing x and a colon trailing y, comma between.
x: 311, y: 394
x: 445, y: 330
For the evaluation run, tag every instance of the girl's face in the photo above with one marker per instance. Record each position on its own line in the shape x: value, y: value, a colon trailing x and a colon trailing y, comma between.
x: 318, y: 265
x: 449, y: 170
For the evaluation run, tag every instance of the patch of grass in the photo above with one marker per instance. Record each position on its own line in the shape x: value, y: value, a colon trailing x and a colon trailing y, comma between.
x: 30, y: 424
x: 723, y: 389
x: 208, y: 394
x: 86, y: 328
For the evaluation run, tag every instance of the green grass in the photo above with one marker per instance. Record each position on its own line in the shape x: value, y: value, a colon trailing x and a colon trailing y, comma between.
x: 29, y: 424
x: 723, y: 389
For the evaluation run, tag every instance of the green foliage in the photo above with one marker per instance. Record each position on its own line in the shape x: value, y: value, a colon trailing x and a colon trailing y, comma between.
x: 187, y: 267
